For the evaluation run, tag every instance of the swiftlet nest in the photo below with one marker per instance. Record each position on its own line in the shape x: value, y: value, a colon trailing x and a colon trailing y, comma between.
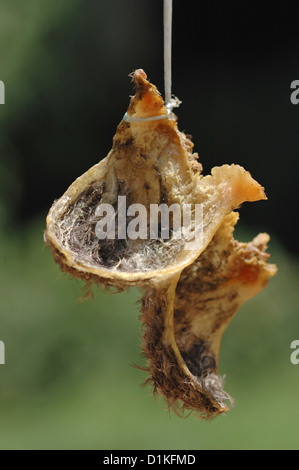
x: 188, y: 296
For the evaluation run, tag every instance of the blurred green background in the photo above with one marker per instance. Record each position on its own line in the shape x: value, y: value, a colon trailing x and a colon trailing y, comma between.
x: 68, y: 381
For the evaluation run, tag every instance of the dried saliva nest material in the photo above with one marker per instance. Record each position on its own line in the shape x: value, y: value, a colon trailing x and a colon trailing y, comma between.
x: 188, y: 296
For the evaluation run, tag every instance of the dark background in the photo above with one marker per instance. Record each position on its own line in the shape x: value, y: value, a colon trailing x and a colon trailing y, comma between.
x: 233, y: 63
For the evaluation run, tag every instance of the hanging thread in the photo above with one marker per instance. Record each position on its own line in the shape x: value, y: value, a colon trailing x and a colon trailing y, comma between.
x: 167, y: 20
x: 169, y: 101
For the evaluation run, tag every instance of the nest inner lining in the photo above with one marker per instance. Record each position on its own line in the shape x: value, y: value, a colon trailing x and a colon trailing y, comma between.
x: 76, y: 232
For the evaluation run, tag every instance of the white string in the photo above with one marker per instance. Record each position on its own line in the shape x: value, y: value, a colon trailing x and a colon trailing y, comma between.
x: 167, y: 49
x: 147, y: 118
x: 169, y: 101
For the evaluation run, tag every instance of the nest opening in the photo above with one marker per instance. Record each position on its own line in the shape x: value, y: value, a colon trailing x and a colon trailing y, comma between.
x: 76, y: 232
